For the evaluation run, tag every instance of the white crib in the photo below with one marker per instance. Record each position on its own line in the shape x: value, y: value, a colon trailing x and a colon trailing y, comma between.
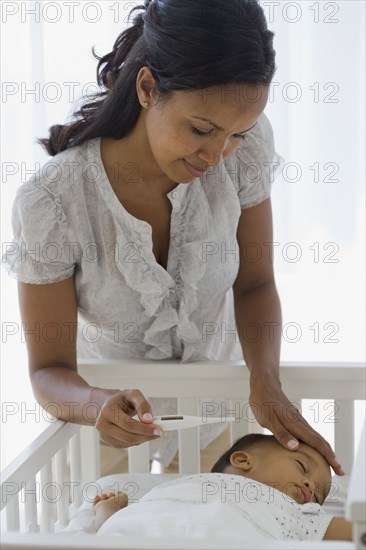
x: 66, y: 456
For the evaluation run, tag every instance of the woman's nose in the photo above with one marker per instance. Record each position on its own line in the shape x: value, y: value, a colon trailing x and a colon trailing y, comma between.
x: 214, y: 154
x: 212, y: 158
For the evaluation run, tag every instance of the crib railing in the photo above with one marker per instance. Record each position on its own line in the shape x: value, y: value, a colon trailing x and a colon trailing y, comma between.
x: 44, y: 484
x: 340, y: 383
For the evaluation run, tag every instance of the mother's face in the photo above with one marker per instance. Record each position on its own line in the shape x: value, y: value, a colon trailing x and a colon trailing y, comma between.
x: 177, y: 134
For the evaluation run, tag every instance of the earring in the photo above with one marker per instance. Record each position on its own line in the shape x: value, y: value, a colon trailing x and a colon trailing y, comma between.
x: 146, y: 104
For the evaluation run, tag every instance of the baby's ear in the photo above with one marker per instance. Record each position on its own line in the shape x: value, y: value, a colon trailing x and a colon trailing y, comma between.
x: 241, y: 460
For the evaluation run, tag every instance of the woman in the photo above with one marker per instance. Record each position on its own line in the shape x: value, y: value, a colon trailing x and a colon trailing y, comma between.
x: 151, y: 227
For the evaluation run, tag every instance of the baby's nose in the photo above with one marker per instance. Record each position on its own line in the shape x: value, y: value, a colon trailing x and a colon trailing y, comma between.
x: 310, y: 485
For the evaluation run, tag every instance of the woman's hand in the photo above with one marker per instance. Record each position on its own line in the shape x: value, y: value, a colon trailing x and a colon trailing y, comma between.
x: 115, y: 425
x: 275, y: 412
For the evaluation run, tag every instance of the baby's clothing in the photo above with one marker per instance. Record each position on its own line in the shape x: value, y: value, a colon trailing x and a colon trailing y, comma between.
x: 67, y: 221
x: 206, y: 505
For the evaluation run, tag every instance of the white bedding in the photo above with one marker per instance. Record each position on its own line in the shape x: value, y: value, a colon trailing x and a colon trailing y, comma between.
x: 137, y: 485
x: 134, y: 485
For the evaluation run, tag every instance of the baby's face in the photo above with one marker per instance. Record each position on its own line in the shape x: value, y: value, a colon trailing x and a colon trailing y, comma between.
x: 303, y: 475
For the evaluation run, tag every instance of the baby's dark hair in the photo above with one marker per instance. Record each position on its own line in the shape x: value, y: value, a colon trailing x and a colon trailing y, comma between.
x: 242, y: 444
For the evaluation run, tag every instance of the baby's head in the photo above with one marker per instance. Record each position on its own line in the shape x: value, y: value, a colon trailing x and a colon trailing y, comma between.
x: 303, y: 475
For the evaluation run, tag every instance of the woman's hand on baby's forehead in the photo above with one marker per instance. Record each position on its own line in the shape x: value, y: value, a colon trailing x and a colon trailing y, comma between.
x: 275, y: 412
x: 312, y: 438
x: 116, y: 426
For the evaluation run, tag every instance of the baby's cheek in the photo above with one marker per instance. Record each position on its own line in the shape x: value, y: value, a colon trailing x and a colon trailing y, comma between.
x: 290, y: 492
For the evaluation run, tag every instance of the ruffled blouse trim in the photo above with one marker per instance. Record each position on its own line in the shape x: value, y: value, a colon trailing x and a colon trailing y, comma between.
x: 152, y: 281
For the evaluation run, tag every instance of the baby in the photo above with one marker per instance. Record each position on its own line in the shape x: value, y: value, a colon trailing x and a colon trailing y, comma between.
x: 257, y: 487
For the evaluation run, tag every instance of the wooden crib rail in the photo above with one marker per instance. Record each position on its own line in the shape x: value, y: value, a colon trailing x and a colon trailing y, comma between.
x: 11, y: 541
x: 45, y: 456
x: 318, y: 380
x: 341, y: 382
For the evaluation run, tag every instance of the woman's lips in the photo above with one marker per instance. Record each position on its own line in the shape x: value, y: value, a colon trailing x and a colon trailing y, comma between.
x: 194, y: 171
x: 304, y: 494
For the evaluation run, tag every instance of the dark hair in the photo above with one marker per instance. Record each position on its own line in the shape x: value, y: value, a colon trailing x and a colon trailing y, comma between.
x: 242, y: 444
x: 188, y: 45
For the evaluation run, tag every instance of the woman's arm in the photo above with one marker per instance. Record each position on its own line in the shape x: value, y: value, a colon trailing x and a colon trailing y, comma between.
x: 259, y: 324
x: 49, y: 319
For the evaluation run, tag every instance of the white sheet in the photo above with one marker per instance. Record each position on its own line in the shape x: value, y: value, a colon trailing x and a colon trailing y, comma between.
x: 137, y: 485
x: 208, y: 505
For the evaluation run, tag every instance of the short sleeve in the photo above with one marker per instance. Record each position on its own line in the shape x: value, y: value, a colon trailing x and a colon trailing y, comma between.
x: 255, y: 164
x: 40, y: 252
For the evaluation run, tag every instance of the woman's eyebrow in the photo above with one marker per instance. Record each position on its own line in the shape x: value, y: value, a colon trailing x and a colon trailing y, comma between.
x: 219, y: 127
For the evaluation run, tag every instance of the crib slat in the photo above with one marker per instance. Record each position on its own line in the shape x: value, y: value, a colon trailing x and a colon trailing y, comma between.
x: 75, y: 468
x: 344, y: 437
x: 189, y: 451
x: 12, y: 514
x: 254, y: 426
x: 62, y: 504
x: 241, y: 426
x: 189, y: 440
x: 90, y: 454
x: 31, y: 495
x: 47, y: 500
x: 138, y: 459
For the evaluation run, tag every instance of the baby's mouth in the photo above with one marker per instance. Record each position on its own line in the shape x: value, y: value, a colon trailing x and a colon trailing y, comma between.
x: 304, y: 494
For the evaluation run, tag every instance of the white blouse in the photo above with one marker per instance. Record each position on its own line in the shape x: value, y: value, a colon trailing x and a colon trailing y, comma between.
x: 67, y: 220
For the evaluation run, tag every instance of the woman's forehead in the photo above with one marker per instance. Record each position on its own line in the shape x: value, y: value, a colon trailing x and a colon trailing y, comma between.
x: 214, y: 105
x: 252, y: 93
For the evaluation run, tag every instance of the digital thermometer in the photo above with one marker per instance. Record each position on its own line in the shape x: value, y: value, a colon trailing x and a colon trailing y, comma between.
x: 171, y: 422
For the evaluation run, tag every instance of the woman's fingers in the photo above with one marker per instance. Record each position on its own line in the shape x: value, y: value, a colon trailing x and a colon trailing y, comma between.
x: 140, y: 405
x: 322, y: 446
x: 312, y: 438
x: 116, y: 426
x: 123, y: 440
x: 120, y: 436
x: 296, y: 425
x: 289, y: 427
x: 279, y: 430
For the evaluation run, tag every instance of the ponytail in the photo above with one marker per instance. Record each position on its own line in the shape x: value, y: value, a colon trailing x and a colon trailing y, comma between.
x: 122, y: 47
